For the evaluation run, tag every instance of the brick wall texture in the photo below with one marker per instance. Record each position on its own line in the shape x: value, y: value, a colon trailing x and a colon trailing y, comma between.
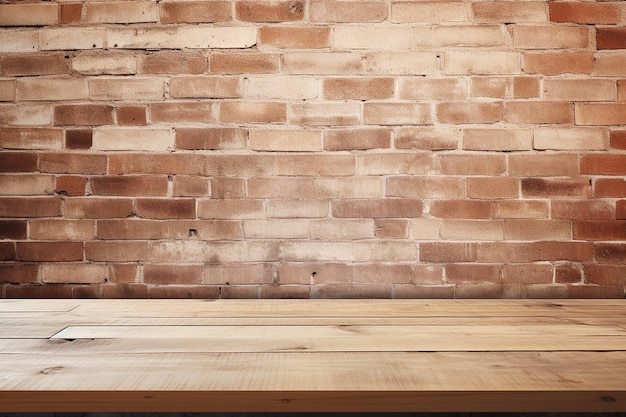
x: 312, y: 148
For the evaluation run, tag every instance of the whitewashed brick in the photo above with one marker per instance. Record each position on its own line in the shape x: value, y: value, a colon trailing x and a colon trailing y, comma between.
x: 286, y: 140
x: 26, y: 114
x: 43, y: 89
x: 121, y: 12
x: 19, y: 40
x: 395, y: 63
x: 564, y: 138
x: 101, y: 64
x: 36, y: 14
x: 282, y: 87
x: 218, y: 37
x: 27, y: 184
x: 122, y: 139
x: 363, y: 37
x: 123, y: 88
x: 482, y: 62
x: 72, y: 38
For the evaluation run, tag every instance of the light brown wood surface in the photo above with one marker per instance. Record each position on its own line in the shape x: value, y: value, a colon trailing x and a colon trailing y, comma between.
x: 312, y: 355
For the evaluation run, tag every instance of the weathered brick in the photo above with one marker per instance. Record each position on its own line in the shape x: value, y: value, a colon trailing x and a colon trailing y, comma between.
x: 543, y: 165
x: 550, y: 37
x: 259, y: 166
x: 188, y: 186
x: 74, y: 273
x: 600, y: 114
x: 527, y: 273
x: 270, y: 11
x: 493, y: 187
x: 610, y: 253
x: 183, y: 291
x: 537, y: 229
x: 157, y: 163
x: 45, y: 89
x: 354, y: 139
x: 315, y: 165
x: 180, y: 37
x: 26, y: 114
x: 72, y: 38
x: 521, y: 209
x: 348, y: 11
x: 123, y: 251
x: 472, y: 164
x: 426, y: 138
x: 97, y: 208
x: 127, y: 88
x: 19, y: 273
x: 210, y: 138
x: 37, y: 14
x: 611, y: 38
x: 141, y: 185
x: 195, y: 11
x: 392, y: 113
x: 545, y: 112
x: 205, y: 87
x: 555, y: 63
x: 238, y: 274
x: 467, y: 112
x: 70, y: 13
x: 180, y: 208
x: 425, y: 187
x: 104, y: 63
x: 603, y: 164
x: 462, y: 209
x: 581, y: 209
x: 170, y: 62
x: 172, y: 274
x: 377, y: 208
x: 524, y: 252
x: 432, y: 89
x: 125, y: 291
x: 392, y: 228
x: 27, y: 184
x: 510, y: 12
x: 139, y: 139
x: 253, y: 112
x: 571, y: 138
x: 183, y: 112
x: 349, y: 37
x: 579, y: 90
x: 244, y: 63
x: 286, y: 208
x: 525, y: 87
x: 447, y: 252
x: 585, y: 13
x: 482, y: 62
x: 325, y: 114
x: 428, y: 11
x: 131, y: 116
x: 295, y: 37
x: 230, y: 209
x: 49, y: 251
x: 477, y: 139
x: 34, y: 64
x: 493, y: 87
x: 415, y: 163
x: 472, y: 230
x: 618, y: 139
x: 610, y: 63
x: 276, y: 229
x: 321, y: 63
x: 359, y: 88
x: 61, y: 230
x: 120, y: 12
x: 286, y: 140
x: 20, y: 40
x: 7, y: 90
x: 568, y: 273
x: 473, y: 273
x: 21, y: 207
x: 314, y: 188
x: 72, y: 163
x: 83, y: 115
x: 561, y: 187
x: 289, y: 87
x: 395, y: 63
x: 71, y: 185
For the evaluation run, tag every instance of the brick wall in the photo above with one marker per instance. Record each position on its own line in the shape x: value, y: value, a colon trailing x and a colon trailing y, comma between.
x: 312, y: 148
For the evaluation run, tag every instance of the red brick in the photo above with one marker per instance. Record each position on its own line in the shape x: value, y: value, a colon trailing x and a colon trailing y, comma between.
x: 462, y: 209
x: 18, y: 273
x: 57, y: 229
x: 195, y: 11
x: 609, y: 275
x: 39, y: 291
x: 447, y: 252
x: 618, y: 139
x: 78, y: 138
x: 71, y: 185
x: 600, y: 114
x: 537, y: 229
x: 610, y: 63
x: 315, y: 165
x: 475, y: 164
x: 550, y: 37
x: 539, y: 112
x: 34, y: 64
x: 552, y: 187
x: 527, y: 274
x: 13, y: 229
x: 83, y: 115
x: 170, y: 62
x: 72, y: 163
x: 428, y: 11
x: 542, y: 165
x: 157, y: 163
x: 182, y: 112
x: 253, y: 112
x: 585, y: 13
x: 521, y: 209
x: 568, y: 274
x: 493, y: 187
x: 377, y: 208
x: 461, y: 113
x: 609, y: 187
x: 129, y: 185
x: 97, y: 208
x: 123, y: 273
x: 18, y: 162
x: 30, y: 207
x: 555, y: 63
x: 603, y: 164
x: 183, y: 291
x: 190, y: 186
x: 525, y: 87
x: 74, y: 273
x: 7, y: 251
x: 581, y: 209
x: 524, y: 252
x: 228, y: 188
x: 31, y: 138
x: 398, y: 274
x: 473, y: 273
x: 595, y: 291
x: 131, y: 116
x: 620, y: 210
x: 418, y: 88
x: 347, y: 291
x: 391, y: 113
x: 82, y: 291
x: 611, y: 38
x: 116, y: 251
x: 397, y: 163
x: 244, y: 63
x: 136, y: 229
x: 497, y: 139
x: 600, y: 230
x: 610, y: 253
x: 295, y: 37
x: 38, y: 14
x: 357, y: 139
x: 489, y: 87
x: 166, y: 208
x: 426, y: 138
x: 424, y: 291
x: 391, y: 229
x: 172, y: 274
x: 70, y: 13
x: 49, y: 251
x: 125, y: 291
x: 230, y: 209
x: 621, y: 90
x: 359, y: 88
x: 273, y: 11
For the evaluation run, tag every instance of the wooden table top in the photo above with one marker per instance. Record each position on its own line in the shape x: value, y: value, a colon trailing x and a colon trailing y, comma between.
x: 312, y: 355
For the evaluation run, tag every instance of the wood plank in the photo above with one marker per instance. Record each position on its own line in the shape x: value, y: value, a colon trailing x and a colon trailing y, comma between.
x: 26, y: 305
